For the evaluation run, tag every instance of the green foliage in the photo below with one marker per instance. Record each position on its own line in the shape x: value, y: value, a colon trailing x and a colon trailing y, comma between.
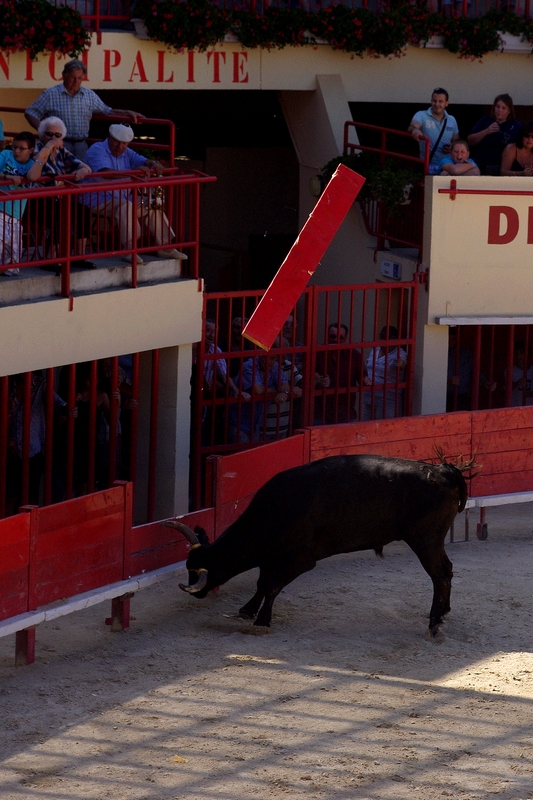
x: 199, y: 24
x: 386, y: 181
x: 40, y: 27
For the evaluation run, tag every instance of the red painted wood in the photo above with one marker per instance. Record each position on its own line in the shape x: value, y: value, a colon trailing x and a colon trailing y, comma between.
x: 25, y: 647
x: 501, y: 484
x: 14, y: 592
x: 502, y: 441
x: 154, y: 545
x: 242, y: 474
x: 502, y: 419
x: 303, y: 258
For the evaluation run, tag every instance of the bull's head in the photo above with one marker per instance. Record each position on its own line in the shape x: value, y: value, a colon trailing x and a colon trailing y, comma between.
x: 196, y: 561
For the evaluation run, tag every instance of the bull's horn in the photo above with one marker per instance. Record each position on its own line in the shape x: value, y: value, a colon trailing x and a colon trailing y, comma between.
x: 189, y: 534
x: 199, y: 585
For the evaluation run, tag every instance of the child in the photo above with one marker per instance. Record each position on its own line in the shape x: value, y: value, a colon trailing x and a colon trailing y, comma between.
x: 14, y: 163
x: 458, y: 162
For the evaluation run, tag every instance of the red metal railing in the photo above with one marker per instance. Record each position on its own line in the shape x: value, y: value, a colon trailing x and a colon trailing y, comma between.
x: 73, y: 430
x: 403, y: 229
x: 148, y: 131
x: 97, y: 219
x: 347, y: 352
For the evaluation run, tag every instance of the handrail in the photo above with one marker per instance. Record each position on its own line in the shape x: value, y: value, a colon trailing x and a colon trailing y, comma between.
x: 349, y: 147
x: 170, y: 147
x: 57, y: 209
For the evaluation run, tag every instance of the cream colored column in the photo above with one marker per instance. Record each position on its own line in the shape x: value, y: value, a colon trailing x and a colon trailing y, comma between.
x: 316, y: 124
x: 173, y: 433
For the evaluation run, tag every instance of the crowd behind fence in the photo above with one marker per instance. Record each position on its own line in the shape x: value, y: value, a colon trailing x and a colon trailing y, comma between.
x: 73, y: 430
x: 344, y: 353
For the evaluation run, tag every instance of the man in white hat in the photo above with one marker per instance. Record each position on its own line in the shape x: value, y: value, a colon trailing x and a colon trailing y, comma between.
x: 114, y: 154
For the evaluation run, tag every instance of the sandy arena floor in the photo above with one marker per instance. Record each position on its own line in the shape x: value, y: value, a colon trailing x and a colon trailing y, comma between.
x: 344, y: 698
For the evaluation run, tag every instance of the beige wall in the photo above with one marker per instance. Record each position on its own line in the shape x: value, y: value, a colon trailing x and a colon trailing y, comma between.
x: 122, y: 61
x: 47, y: 334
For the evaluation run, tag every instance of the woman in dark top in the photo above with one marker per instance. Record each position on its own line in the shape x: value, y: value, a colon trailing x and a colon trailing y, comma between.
x: 517, y: 159
x: 492, y: 133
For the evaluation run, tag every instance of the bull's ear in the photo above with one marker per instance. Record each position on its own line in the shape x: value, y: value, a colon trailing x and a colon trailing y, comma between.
x: 202, y: 536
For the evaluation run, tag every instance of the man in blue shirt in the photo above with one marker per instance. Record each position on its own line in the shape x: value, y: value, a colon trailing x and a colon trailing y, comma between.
x: 113, y: 154
x: 439, y: 126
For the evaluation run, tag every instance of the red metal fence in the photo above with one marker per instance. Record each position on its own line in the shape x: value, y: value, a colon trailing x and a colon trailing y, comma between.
x: 402, y: 226
x: 345, y: 353
x: 71, y: 431
x: 64, y: 222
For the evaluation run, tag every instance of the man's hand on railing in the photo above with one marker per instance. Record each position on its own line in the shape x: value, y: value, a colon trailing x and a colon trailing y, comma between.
x: 82, y: 172
x: 152, y: 166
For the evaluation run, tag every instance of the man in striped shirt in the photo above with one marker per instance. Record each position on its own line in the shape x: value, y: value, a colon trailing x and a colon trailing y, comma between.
x: 74, y: 104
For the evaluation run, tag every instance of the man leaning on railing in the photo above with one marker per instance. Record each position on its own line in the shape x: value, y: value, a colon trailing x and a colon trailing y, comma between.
x: 113, y: 154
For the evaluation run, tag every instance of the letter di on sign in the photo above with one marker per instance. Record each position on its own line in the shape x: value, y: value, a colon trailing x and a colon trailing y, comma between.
x: 510, y: 214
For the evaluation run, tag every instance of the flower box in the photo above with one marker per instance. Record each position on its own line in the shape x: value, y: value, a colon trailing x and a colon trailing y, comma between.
x: 514, y: 44
x: 140, y: 29
x: 433, y: 43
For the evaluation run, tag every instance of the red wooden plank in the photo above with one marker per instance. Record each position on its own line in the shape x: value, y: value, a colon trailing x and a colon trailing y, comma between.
x: 14, y: 529
x: 155, y: 535
x: 502, y: 484
x: 72, y: 585
x: 13, y: 592
x: 502, y: 419
x: 504, y: 463
x: 14, y: 556
x: 81, y: 509
x: 417, y: 449
x: 303, y: 258
x: 95, y: 531
x: 229, y: 512
x: 358, y: 433
x: 502, y: 441
x: 242, y: 474
x: 148, y: 560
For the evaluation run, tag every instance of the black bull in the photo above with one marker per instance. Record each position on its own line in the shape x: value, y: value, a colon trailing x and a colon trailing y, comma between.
x: 337, y: 505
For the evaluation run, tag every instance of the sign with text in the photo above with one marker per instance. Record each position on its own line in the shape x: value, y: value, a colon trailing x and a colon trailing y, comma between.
x: 121, y: 61
x: 480, y: 246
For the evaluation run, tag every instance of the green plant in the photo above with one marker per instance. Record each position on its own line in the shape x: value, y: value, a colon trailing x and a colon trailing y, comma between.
x: 386, y: 181
x: 200, y: 24
x: 37, y: 26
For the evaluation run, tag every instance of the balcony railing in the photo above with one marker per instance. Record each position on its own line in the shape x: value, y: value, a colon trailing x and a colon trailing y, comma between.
x: 64, y: 222
x: 403, y: 229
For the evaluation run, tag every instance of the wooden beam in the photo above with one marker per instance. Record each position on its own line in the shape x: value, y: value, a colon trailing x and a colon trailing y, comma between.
x: 303, y: 258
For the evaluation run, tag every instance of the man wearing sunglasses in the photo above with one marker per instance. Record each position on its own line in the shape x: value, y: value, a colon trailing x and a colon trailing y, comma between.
x: 439, y: 126
x: 74, y: 104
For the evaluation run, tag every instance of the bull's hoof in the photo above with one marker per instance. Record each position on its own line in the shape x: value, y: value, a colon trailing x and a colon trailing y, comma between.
x: 435, y: 635
x: 243, y: 614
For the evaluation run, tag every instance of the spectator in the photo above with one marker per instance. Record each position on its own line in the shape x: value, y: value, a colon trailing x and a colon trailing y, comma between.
x: 260, y: 378
x: 492, y: 133
x: 37, y: 436
x: 14, y: 165
x: 517, y: 159
x: 339, y: 368
x: 276, y: 424
x: 460, y: 371
x: 114, y: 154
x: 385, y: 366
x: 236, y: 344
x: 75, y: 105
x: 217, y: 383
x: 458, y: 162
x: 51, y: 158
x: 522, y: 376
x: 439, y: 126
